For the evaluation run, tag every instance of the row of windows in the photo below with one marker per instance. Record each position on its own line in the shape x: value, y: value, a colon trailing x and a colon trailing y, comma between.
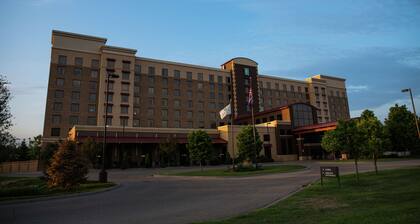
x: 73, y: 120
x: 277, y: 87
x: 78, y: 61
x: 74, y: 107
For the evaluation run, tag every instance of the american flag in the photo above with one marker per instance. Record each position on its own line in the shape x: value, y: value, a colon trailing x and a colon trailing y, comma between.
x: 250, y: 98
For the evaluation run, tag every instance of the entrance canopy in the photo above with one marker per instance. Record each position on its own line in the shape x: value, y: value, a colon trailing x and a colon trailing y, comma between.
x: 139, y: 135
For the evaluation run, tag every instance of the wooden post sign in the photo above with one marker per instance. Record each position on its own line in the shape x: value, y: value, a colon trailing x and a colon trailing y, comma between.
x: 330, y: 171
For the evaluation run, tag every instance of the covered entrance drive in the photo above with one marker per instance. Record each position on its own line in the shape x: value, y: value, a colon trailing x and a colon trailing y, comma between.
x: 144, y: 147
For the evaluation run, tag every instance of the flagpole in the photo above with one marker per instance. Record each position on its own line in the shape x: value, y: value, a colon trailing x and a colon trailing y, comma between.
x: 253, y: 124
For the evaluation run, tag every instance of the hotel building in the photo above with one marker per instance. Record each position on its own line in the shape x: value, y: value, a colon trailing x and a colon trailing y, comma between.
x: 153, y: 99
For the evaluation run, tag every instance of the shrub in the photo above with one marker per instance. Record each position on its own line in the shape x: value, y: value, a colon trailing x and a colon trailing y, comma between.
x: 68, y: 167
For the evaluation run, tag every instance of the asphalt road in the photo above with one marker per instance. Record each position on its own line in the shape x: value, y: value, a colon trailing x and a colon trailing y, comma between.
x: 142, y: 198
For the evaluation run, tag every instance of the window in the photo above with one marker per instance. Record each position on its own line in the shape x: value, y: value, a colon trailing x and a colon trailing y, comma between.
x: 200, y: 105
x: 220, y: 96
x: 110, y: 97
x: 177, y: 114
x: 150, y: 123
x: 151, y: 91
x: 60, y: 70
x: 164, y: 72
x: 164, y: 113
x: 177, y: 124
x: 189, y: 114
x: 93, y: 85
x: 57, y: 106
x: 73, y: 120
x: 55, y: 131
x: 211, y: 78
x: 165, y: 82
x: 109, y: 109
x: 136, y: 123
x: 56, y: 119
x: 136, y: 111
x: 91, y: 108
x: 201, y: 115
x: 59, y: 94
x: 164, y: 103
x: 177, y: 83
x: 212, y: 87
x: 78, y: 61
x: 266, y: 138
x: 111, y: 86
x: 124, y: 109
x: 177, y: 103
x: 151, y: 70
x: 212, y: 105
x: 136, y: 100
x: 125, y: 76
x: 200, y: 85
x: 177, y: 92
x: 74, y: 107
x: 108, y: 121
x: 94, y: 74
x: 60, y: 82
x: 124, y: 98
x: 91, y: 121
x: 189, y: 94
x: 125, y: 87
x: 220, y: 87
x: 137, y: 69
x: 94, y: 63
x: 212, y: 95
x: 228, y: 79
x: 177, y: 74
x: 151, y: 101
x: 110, y: 63
x: 151, y: 80
x: 75, y: 95
x: 246, y: 71
x: 150, y: 112
x: 164, y: 92
x: 200, y: 76
x: 76, y: 83
x: 219, y: 79
x: 190, y: 103
x: 62, y: 60
x: 189, y: 75
x: 137, y: 78
x: 77, y: 71
x: 136, y: 90
x: 126, y: 66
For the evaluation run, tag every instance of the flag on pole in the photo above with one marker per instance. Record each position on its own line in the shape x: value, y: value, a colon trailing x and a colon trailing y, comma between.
x: 225, y: 111
x: 250, y: 98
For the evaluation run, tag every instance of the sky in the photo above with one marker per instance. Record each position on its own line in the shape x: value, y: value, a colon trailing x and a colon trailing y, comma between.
x: 374, y: 45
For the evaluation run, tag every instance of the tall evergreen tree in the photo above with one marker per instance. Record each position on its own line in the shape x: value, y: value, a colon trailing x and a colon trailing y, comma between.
x: 247, y: 148
x: 402, y: 129
x: 7, y: 141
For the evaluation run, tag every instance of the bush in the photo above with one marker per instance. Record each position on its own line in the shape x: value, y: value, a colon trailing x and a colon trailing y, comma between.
x: 68, y: 167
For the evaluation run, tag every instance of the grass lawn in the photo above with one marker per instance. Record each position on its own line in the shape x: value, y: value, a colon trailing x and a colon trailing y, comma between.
x: 367, y: 160
x: 392, y: 196
x: 246, y: 172
x: 12, y: 188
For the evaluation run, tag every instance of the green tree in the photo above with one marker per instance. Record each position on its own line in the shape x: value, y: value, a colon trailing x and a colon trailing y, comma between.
x: 46, y: 155
x: 247, y: 148
x: 23, y: 151
x: 374, y: 139
x: 330, y: 142
x: 91, y: 150
x: 68, y: 167
x: 348, y: 139
x: 35, y: 147
x: 402, y: 129
x: 7, y: 141
x: 168, y: 149
x: 199, y: 146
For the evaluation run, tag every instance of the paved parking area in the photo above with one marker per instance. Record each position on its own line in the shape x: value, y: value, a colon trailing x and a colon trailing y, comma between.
x: 143, y: 198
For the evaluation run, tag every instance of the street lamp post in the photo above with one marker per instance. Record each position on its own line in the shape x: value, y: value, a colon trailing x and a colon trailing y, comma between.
x: 103, y: 175
x: 414, y: 109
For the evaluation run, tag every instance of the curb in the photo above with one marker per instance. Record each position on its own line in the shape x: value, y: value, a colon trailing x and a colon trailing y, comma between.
x: 226, y: 177
x: 48, y: 198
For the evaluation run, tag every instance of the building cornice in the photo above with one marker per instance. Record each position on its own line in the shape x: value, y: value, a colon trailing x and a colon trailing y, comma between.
x: 79, y: 36
x: 181, y: 64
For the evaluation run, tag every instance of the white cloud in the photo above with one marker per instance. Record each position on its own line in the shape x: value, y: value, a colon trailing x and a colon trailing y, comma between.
x: 381, y: 111
x: 356, y: 88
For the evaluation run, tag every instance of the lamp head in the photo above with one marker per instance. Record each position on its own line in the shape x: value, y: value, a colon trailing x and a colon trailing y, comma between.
x: 405, y: 90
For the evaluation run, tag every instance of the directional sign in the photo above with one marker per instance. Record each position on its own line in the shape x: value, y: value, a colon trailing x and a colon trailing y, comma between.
x: 330, y: 171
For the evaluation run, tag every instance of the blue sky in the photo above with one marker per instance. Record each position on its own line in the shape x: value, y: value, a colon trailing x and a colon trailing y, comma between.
x: 375, y: 45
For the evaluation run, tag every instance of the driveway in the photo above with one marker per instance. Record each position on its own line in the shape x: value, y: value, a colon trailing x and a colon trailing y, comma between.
x: 143, y: 198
